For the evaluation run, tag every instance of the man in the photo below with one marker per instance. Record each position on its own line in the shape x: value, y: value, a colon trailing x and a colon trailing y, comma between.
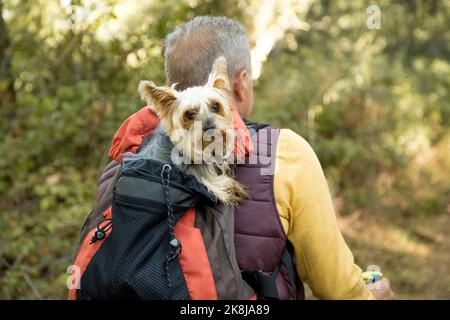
x: 304, y: 209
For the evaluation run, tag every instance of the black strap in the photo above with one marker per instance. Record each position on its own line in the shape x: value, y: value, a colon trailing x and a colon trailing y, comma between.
x: 254, y: 127
x: 288, y: 260
x: 264, y: 284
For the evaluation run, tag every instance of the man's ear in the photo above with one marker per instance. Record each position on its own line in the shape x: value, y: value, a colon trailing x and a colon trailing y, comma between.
x: 218, y: 78
x: 240, y: 87
x: 160, y: 98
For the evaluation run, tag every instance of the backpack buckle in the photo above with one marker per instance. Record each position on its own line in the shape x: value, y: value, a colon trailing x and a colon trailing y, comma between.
x: 264, y: 285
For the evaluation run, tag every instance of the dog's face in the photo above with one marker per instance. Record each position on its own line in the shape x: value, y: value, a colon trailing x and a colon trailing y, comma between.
x: 198, y: 120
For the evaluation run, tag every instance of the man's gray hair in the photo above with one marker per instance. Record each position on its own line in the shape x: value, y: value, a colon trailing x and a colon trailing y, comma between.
x: 191, y: 49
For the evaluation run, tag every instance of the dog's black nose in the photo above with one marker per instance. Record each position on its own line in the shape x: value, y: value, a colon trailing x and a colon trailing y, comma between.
x: 208, y: 125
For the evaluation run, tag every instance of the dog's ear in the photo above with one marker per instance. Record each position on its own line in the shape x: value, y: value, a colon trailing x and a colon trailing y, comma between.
x: 160, y: 98
x: 218, y: 78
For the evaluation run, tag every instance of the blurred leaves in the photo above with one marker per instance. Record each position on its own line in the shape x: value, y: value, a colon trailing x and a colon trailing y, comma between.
x: 373, y: 103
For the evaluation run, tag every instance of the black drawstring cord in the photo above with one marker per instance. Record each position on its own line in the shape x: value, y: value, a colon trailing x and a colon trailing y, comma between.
x: 175, y: 244
x: 101, y: 231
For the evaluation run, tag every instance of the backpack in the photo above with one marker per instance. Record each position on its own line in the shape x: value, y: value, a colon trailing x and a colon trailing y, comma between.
x: 157, y: 233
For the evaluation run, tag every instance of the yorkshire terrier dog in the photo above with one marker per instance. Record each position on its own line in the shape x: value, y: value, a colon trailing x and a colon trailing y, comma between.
x: 196, y: 132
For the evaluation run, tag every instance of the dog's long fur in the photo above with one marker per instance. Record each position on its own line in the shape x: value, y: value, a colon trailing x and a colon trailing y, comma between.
x: 156, y: 147
x: 171, y: 106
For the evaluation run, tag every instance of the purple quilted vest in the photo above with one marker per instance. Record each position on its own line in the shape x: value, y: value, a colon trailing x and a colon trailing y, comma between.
x: 260, y: 239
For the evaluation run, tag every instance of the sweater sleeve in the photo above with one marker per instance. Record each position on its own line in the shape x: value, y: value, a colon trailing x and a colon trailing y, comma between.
x: 323, y: 259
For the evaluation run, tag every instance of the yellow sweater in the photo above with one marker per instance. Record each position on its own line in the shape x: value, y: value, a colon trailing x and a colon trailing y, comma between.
x: 323, y: 259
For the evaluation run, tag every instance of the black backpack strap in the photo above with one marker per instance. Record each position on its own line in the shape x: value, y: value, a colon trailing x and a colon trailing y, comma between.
x: 288, y: 260
x: 265, y: 284
x: 254, y: 127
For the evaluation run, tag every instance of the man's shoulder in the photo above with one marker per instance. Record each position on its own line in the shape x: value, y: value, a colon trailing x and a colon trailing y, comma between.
x: 295, y: 153
x: 285, y: 134
x: 294, y: 142
x: 290, y: 145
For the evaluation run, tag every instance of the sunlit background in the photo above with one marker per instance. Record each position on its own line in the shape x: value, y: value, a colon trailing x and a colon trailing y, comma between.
x: 373, y: 103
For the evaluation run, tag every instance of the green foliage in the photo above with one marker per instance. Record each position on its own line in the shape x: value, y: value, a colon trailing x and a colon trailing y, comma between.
x: 373, y: 104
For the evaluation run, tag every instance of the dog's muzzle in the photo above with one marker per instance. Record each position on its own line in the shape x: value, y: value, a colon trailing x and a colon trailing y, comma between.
x: 208, y: 125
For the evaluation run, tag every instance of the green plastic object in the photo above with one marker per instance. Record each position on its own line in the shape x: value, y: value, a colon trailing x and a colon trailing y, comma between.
x: 372, y: 276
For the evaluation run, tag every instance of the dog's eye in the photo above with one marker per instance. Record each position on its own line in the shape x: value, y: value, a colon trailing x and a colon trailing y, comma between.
x: 190, y: 114
x: 215, y: 107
